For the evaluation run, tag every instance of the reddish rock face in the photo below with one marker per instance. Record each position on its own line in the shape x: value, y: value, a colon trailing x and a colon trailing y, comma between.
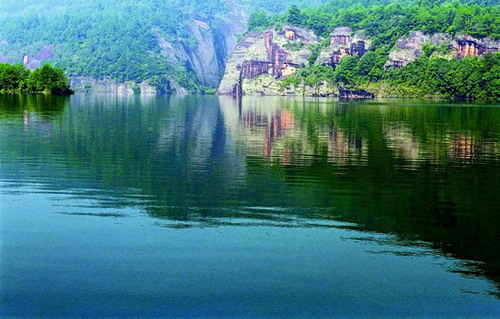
x: 337, y: 56
x: 344, y: 43
x: 340, y: 36
x: 277, y: 61
x: 290, y: 35
x: 265, y: 53
x: 468, y: 48
x: 339, y: 39
x: 358, y: 48
x: 276, y: 55
x: 269, y: 41
x: 252, y: 69
x: 410, y: 48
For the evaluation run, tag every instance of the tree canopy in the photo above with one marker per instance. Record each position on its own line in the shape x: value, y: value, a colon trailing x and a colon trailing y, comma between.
x: 45, y: 79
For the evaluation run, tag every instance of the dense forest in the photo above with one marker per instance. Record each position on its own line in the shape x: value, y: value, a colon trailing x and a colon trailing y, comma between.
x: 46, y: 79
x: 385, y: 23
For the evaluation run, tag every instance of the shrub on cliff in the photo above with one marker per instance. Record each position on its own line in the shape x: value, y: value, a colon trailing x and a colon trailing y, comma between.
x: 295, y: 16
x: 259, y: 20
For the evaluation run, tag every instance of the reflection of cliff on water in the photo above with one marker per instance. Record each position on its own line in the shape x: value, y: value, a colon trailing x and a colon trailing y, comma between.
x: 421, y: 172
x: 290, y: 131
x: 342, y: 134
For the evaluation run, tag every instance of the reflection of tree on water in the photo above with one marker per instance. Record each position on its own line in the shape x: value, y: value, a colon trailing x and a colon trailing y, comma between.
x: 388, y: 168
x: 391, y: 169
x: 44, y: 106
x: 38, y: 111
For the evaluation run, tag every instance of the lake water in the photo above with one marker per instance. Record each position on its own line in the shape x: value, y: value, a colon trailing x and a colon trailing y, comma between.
x: 210, y: 206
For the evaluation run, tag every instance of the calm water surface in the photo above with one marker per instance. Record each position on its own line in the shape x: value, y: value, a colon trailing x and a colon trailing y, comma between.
x: 206, y: 206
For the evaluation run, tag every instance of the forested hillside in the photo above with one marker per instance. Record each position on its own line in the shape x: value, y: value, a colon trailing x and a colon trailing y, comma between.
x: 122, y: 39
x: 183, y: 46
x: 386, y: 21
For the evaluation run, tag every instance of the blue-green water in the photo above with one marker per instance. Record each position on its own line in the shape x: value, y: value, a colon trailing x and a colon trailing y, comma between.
x: 210, y: 206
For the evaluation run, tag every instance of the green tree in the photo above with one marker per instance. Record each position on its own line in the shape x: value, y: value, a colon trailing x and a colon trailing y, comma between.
x: 345, y: 73
x: 295, y: 15
x: 259, y: 20
x: 49, y: 80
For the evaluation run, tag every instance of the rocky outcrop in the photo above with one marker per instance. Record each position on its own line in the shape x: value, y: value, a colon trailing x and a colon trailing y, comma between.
x: 266, y: 56
x: 410, y: 48
x: 214, y: 39
x: 204, y: 53
x: 45, y: 53
x: 343, y: 42
x: 465, y: 45
x: 276, y: 56
x: 89, y: 84
x: 355, y: 94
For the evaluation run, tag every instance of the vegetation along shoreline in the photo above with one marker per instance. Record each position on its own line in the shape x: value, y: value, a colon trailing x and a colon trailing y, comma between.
x: 45, y: 79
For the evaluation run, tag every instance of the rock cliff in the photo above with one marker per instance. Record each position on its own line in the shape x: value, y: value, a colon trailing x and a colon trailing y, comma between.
x: 204, y: 55
x: 343, y: 42
x: 87, y: 84
x: 410, y: 48
x: 215, y: 40
x: 262, y: 58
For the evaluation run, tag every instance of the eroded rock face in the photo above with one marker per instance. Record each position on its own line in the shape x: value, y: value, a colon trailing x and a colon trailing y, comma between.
x: 273, y: 54
x: 340, y: 36
x: 252, y: 69
x: 214, y: 42
x: 277, y: 57
x: 462, y: 46
x: 343, y: 42
x: 410, y: 48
